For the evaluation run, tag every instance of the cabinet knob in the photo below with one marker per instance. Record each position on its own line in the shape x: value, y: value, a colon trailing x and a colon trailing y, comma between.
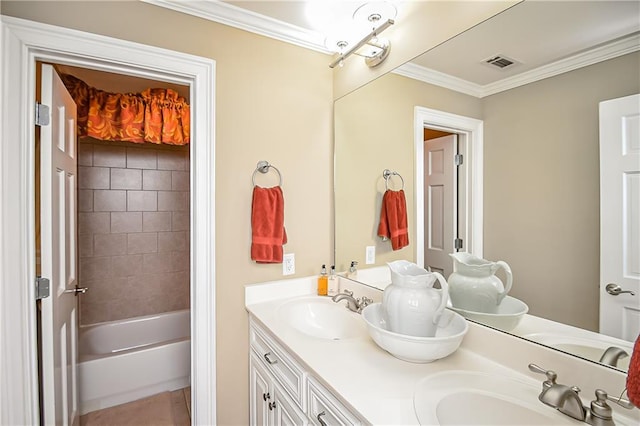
x: 266, y: 396
x: 269, y: 360
x: 272, y: 405
x: 319, y: 417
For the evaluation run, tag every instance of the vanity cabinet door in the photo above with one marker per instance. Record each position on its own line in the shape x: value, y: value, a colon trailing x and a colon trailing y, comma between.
x: 269, y: 404
x: 285, y: 411
x: 260, y: 393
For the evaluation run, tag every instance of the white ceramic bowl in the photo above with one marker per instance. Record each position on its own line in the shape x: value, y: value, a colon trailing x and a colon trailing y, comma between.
x: 508, y: 316
x: 451, y: 329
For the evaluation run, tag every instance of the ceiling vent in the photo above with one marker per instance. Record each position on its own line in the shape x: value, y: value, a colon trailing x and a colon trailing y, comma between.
x: 500, y: 61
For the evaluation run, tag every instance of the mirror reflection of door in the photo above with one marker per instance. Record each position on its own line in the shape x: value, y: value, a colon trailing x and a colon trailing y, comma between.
x: 440, y: 198
x: 620, y: 217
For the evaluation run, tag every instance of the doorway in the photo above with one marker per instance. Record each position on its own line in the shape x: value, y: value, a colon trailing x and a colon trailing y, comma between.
x: 27, y: 42
x: 467, y: 217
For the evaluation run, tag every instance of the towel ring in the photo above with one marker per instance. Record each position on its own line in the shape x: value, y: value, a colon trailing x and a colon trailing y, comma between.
x: 386, y: 174
x: 263, y: 167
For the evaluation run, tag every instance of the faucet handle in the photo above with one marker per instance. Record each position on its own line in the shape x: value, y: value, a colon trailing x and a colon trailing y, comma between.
x: 603, y: 397
x: 551, y: 375
x: 599, y: 409
x: 364, y: 302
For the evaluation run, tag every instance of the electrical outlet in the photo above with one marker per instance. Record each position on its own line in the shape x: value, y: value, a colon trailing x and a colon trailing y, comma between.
x: 288, y: 264
x: 370, y: 257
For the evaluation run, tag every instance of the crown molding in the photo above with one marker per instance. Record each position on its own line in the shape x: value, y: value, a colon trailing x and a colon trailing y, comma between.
x: 438, y: 78
x: 243, y: 19
x: 611, y: 50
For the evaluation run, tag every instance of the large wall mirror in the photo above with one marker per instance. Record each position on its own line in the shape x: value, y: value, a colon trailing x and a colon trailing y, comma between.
x: 539, y: 161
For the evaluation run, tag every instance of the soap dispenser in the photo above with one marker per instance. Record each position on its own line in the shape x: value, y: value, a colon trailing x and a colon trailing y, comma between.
x: 333, y: 282
x: 322, y: 282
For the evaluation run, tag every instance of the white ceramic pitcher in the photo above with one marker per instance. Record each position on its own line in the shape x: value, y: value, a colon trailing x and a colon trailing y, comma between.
x: 410, y: 304
x: 473, y: 285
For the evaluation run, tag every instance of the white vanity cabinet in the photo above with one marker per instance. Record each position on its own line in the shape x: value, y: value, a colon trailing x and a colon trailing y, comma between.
x: 270, y: 404
x: 282, y: 392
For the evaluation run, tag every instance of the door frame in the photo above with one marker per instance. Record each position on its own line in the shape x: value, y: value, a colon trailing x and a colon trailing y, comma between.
x: 470, y: 179
x: 23, y: 43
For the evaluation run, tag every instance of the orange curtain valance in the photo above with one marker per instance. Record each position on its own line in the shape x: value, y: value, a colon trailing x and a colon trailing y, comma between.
x: 155, y: 115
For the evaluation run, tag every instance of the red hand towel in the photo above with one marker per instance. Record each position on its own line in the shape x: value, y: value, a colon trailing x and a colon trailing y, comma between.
x: 267, y: 225
x: 633, y: 375
x: 393, y: 219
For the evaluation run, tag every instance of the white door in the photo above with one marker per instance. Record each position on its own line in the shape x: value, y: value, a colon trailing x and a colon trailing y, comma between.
x: 440, y: 212
x: 620, y: 217
x: 58, y: 225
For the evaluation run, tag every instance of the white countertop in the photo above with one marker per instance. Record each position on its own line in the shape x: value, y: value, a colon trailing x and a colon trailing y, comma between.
x: 377, y: 386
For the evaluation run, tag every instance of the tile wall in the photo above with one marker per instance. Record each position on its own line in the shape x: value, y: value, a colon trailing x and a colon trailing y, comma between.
x: 133, y: 229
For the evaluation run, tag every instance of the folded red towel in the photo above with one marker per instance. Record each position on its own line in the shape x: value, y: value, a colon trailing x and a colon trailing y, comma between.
x: 393, y: 219
x: 633, y: 375
x: 267, y: 225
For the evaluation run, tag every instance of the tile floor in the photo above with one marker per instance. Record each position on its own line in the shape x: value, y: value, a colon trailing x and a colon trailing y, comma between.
x: 164, y: 409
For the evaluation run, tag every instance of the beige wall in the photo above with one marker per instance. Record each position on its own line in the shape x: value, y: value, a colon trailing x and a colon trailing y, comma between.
x: 273, y: 102
x: 373, y: 132
x: 133, y: 229
x: 541, y: 186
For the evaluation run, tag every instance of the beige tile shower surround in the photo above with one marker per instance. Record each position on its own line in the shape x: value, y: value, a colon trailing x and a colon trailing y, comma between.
x: 133, y: 222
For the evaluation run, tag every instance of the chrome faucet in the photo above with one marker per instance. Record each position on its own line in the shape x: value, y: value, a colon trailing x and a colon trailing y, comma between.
x: 353, y: 304
x: 567, y: 400
x: 612, y: 355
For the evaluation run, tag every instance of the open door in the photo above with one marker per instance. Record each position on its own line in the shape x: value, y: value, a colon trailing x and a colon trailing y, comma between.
x: 440, y: 212
x: 620, y: 217
x: 58, y: 251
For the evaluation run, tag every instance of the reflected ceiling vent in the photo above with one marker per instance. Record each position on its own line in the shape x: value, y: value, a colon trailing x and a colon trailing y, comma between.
x: 500, y: 61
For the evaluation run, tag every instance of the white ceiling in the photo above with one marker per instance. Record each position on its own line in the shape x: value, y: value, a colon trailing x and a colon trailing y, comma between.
x: 544, y: 37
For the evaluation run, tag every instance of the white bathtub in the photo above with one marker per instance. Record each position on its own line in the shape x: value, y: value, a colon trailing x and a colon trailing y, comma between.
x: 121, y: 361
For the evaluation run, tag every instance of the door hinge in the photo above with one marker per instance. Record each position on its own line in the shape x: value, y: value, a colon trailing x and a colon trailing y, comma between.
x: 42, y: 288
x: 457, y: 159
x: 457, y: 243
x: 42, y: 115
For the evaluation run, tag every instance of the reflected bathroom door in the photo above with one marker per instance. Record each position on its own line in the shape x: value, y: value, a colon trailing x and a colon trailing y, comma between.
x: 440, y: 212
x: 58, y: 224
x: 620, y: 217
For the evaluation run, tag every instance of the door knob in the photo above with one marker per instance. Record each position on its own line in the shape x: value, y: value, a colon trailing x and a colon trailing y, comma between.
x: 614, y: 290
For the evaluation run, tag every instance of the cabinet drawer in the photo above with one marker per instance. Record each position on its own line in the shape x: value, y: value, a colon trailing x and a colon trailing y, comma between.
x: 325, y: 409
x: 287, y: 371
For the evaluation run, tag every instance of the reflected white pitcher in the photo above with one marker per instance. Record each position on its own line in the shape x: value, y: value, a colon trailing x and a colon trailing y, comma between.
x: 410, y: 304
x: 473, y: 285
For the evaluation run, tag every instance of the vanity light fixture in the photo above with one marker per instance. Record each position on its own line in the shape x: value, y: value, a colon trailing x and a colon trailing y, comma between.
x: 370, y: 14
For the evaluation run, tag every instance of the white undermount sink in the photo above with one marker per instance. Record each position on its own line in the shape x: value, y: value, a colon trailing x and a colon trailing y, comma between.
x: 473, y: 398
x: 322, y: 318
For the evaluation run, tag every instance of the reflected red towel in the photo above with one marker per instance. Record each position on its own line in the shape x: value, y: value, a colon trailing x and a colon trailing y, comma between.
x: 633, y: 375
x: 393, y: 219
x: 267, y: 225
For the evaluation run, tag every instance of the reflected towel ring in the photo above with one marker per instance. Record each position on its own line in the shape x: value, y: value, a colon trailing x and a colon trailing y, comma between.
x: 386, y: 174
x: 263, y: 167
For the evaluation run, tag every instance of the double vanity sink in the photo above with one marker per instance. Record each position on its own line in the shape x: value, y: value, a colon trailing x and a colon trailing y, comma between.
x: 321, y: 318
x: 466, y: 387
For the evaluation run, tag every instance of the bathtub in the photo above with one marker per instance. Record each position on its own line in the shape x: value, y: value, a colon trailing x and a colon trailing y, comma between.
x: 121, y: 361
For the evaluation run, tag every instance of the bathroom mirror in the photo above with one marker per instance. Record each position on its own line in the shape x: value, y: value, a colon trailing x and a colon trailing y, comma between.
x: 541, y: 185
